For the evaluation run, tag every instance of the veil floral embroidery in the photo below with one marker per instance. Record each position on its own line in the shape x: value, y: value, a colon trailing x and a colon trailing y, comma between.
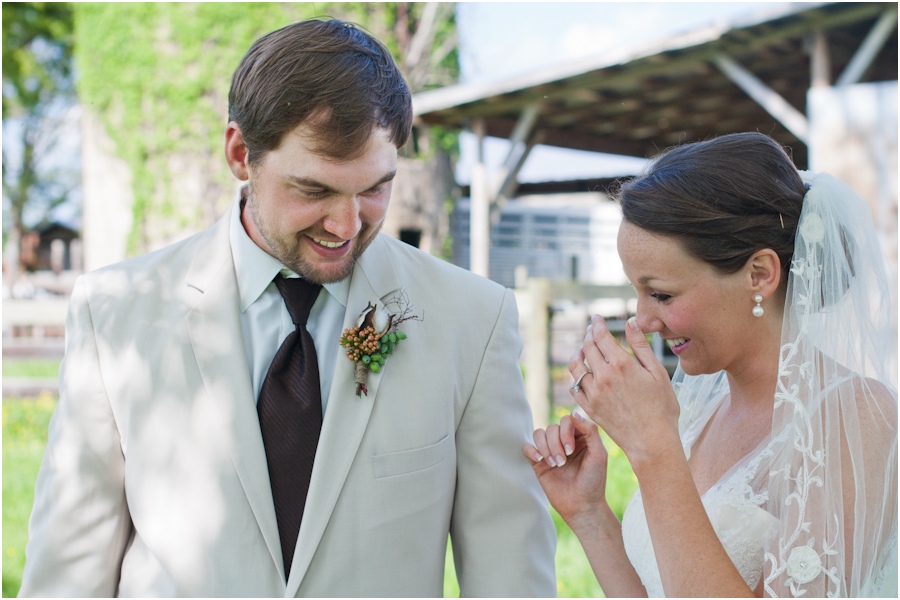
x: 829, y: 474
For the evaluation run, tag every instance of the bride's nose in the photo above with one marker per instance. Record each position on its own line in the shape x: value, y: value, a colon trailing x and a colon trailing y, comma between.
x: 648, y: 320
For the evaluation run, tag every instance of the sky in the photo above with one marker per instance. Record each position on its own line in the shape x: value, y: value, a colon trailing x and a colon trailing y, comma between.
x: 499, y: 40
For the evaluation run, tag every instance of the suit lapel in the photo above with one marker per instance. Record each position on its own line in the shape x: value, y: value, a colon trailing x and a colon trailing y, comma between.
x: 215, y: 332
x: 373, y: 278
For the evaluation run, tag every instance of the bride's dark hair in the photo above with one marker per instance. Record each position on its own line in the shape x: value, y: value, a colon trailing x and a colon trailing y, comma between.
x: 723, y: 199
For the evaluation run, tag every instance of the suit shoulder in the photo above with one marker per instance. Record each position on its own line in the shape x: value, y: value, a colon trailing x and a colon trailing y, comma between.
x: 167, y: 264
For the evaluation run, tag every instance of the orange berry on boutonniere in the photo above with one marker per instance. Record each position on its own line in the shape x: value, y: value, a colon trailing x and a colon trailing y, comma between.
x: 375, y: 337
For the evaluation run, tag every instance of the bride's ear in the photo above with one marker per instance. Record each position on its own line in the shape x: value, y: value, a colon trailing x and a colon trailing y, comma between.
x: 764, y: 272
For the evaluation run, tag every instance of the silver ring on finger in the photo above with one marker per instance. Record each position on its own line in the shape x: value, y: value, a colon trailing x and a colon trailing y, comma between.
x: 576, y: 387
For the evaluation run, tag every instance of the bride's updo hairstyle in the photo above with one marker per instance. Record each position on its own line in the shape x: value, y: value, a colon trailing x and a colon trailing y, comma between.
x: 723, y: 199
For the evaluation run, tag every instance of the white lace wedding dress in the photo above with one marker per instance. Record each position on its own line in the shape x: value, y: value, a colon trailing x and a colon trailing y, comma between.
x: 734, y: 509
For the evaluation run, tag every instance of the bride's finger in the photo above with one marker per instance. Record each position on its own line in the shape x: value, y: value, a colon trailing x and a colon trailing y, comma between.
x: 557, y: 456
x: 540, y: 442
x: 567, y: 434
x: 577, y: 363
x: 588, y: 429
x: 592, y: 353
x: 605, y: 342
x: 531, y: 453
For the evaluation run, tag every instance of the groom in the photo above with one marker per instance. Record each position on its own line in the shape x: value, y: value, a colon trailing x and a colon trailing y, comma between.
x: 213, y: 440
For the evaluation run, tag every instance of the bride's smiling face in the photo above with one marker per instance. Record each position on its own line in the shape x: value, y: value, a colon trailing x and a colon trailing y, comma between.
x: 704, y: 316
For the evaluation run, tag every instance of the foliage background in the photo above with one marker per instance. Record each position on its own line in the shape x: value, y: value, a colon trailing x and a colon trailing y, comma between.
x: 158, y: 74
x: 38, y: 92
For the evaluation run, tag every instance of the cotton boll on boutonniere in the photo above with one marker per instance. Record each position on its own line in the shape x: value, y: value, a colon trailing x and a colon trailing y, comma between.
x: 375, y: 337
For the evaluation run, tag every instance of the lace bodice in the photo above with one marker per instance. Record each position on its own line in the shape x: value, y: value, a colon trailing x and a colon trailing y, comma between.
x: 737, y: 518
x: 735, y: 511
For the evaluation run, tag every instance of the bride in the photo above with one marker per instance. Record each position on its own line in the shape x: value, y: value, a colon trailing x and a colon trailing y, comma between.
x: 768, y: 465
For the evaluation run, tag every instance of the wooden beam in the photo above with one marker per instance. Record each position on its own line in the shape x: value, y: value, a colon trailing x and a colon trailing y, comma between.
x: 869, y: 49
x: 520, y: 133
x: 792, y: 119
x: 511, y: 183
x: 580, y: 292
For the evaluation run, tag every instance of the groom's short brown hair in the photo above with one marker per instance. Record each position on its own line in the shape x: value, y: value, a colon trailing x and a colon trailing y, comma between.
x: 327, y: 74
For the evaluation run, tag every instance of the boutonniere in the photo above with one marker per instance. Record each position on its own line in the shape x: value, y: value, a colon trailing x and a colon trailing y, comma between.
x: 376, y: 335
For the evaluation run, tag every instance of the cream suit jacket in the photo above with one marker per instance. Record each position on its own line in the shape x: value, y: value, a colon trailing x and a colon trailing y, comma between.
x: 154, y: 481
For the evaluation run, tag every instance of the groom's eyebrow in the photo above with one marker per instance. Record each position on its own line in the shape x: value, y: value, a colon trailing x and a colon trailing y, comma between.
x: 310, y: 182
x: 387, y: 177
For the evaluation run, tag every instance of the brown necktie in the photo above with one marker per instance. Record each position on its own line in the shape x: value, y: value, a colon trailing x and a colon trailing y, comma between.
x: 290, y: 414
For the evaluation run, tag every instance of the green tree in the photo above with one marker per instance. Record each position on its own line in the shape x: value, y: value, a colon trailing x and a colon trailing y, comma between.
x: 37, y: 90
x: 158, y: 74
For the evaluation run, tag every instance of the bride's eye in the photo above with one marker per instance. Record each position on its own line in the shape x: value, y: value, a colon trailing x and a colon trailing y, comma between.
x: 660, y: 297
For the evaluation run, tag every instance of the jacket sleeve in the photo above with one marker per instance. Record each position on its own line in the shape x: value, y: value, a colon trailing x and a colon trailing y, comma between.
x: 502, y: 535
x: 80, y: 524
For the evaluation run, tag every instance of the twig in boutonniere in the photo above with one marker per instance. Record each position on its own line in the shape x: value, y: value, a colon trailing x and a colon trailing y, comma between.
x: 375, y: 336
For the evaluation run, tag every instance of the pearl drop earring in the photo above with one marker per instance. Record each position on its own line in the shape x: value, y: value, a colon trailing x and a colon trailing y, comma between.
x: 758, y: 310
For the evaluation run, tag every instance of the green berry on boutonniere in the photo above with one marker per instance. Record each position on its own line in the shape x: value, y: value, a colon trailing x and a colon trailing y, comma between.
x: 375, y: 337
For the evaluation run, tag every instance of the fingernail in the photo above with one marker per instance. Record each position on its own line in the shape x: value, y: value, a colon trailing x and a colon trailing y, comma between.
x: 599, y: 322
x: 550, y: 461
x: 578, y: 416
x: 537, y: 457
x: 568, y: 450
x: 560, y: 461
x: 632, y: 323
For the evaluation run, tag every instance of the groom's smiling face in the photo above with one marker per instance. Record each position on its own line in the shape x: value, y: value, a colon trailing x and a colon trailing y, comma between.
x: 318, y: 214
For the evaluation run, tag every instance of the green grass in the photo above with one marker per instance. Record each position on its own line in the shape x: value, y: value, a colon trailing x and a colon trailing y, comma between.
x: 25, y: 435
x: 36, y: 368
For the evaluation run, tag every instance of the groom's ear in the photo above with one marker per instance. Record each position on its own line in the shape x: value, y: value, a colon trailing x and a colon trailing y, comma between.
x: 236, y: 152
x: 764, y: 271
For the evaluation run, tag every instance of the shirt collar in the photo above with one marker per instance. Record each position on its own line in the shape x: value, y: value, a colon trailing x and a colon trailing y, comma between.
x: 255, y: 268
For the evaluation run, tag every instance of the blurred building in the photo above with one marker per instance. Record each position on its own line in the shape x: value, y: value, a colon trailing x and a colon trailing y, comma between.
x: 560, y: 237
x: 53, y: 247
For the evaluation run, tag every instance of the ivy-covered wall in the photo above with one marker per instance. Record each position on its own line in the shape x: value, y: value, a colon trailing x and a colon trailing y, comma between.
x: 158, y: 74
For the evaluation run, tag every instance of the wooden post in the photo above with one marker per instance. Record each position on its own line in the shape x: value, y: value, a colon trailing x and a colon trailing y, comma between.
x: 819, y: 63
x: 479, y: 211
x: 535, y: 310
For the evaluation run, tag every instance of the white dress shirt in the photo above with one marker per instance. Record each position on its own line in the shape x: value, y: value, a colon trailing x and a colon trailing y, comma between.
x: 265, y: 321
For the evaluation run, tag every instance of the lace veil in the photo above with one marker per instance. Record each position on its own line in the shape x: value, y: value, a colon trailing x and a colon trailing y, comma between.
x: 828, y: 471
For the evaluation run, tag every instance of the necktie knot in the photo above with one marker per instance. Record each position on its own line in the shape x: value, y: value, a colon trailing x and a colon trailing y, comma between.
x: 299, y: 296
